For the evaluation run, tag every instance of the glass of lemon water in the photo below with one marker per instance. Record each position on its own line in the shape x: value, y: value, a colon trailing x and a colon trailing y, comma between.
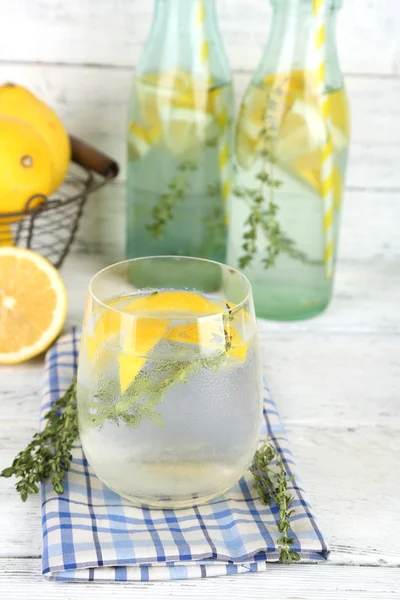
x: 169, y: 380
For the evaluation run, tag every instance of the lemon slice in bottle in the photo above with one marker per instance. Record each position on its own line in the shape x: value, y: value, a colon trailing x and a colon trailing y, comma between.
x: 303, y: 130
x: 141, y: 139
x: 185, y: 130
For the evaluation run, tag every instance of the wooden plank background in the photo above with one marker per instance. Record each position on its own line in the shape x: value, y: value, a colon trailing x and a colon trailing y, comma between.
x: 112, y: 32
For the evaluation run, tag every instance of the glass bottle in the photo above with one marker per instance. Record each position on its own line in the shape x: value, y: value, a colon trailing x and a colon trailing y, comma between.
x: 179, y: 137
x: 291, y: 146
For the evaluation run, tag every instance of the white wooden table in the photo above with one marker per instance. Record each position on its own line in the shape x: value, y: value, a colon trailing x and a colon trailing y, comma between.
x: 336, y: 380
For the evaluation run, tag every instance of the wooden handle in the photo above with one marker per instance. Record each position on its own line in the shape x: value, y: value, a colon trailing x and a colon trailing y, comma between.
x: 88, y: 157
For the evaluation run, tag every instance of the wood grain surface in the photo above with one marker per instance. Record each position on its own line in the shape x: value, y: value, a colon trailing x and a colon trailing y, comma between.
x: 336, y: 378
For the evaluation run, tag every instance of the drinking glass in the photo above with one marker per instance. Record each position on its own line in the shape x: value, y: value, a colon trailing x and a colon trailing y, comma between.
x: 169, y: 379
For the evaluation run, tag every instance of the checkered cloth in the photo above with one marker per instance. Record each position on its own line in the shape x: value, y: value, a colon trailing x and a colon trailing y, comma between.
x: 92, y: 534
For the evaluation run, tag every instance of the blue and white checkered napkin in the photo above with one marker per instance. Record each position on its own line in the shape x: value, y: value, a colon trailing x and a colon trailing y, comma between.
x: 92, y: 534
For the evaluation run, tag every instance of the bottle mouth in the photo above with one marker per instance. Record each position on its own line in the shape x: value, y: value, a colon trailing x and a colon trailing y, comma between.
x: 330, y: 5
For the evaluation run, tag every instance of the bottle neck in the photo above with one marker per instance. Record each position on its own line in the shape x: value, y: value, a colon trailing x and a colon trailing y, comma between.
x: 185, y: 23
x: 291, y: 44
x: 185, y: 35
x: 186, y: 11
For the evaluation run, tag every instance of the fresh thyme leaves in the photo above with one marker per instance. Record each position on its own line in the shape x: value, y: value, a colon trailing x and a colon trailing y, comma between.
x: 224, y: 337
x: 214, y: 189
x: 271, y: 481
x: 48, y: 455
x: 147, y: 391
x: 263, y: 209
x: 211, y: 142
x: 227, y: 332
x: 142, y: 396
x: 215, y: 225
x: 163, y: 211
x: 177, y: 189
x: 261, y: 216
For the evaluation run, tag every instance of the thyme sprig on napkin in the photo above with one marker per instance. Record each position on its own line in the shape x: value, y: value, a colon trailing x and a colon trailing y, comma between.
x: 48, y: 456
x: 271, y: 482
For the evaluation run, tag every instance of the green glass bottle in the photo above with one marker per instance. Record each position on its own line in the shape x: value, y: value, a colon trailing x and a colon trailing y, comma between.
x: 291, y: 146
x: 180, y: 136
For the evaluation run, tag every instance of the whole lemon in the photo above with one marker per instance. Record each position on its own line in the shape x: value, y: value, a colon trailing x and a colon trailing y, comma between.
x: 25, y: 166
x: 17, y: 101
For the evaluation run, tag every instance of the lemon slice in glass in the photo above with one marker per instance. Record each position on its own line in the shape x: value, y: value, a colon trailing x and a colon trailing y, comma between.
x: 139, y: 335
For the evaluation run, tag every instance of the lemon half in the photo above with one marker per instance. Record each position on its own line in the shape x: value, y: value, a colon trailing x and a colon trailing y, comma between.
x: 33, y: 304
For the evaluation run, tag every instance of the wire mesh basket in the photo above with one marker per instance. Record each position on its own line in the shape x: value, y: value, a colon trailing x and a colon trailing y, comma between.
x: 49, y: 225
